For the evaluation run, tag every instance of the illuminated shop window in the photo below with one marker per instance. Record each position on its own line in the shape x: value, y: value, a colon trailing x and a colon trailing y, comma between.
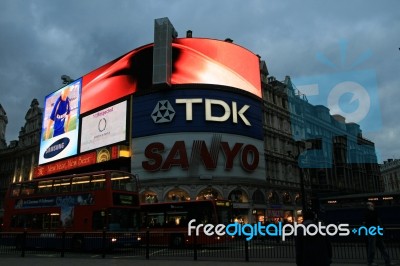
x: 149, y: 197
x: 177, y: 195
x: 209, y: 193
x: 239, y: 196
x: 297, y: 199
x: 273, y: 198
x: 287, y: 199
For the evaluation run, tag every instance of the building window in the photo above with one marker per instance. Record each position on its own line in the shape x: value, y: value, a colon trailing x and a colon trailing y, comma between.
x: 177, y: 195
x: 149, y: 197
x: 273, y: 198
x: 209, y: 193
x: 287, y: 199
x: 258, y: 197
x: 239, y: 196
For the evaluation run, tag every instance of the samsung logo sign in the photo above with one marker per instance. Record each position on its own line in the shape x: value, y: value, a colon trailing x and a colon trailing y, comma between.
x: 56, y: 148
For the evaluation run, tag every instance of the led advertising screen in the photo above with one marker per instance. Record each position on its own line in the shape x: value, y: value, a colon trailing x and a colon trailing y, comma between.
x: 207, y: 61
x: 195, y: 61
x: 60, y: 125
x: 105, y: 127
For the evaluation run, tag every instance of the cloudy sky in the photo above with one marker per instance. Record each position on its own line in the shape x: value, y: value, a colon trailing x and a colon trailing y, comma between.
x: 42, y: 40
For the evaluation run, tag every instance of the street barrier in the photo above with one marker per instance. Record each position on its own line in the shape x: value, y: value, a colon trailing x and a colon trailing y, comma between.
x: 151, y: 245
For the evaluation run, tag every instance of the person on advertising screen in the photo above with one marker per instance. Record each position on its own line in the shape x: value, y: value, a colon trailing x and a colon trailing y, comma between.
x: 60, y: 116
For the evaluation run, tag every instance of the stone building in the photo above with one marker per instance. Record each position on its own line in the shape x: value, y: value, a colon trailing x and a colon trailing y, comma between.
x: 18, y: 159
x: 334, y: 156
x: 390, y: 171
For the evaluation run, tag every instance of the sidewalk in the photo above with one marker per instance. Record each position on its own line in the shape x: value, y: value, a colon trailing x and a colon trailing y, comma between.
x: 44, y: 261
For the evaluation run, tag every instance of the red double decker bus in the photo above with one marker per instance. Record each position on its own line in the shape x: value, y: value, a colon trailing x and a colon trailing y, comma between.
x: 75, y: 204
x: 167, y: 222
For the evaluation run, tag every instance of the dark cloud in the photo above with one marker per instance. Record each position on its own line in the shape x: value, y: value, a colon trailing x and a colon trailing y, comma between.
x: 43, y: 39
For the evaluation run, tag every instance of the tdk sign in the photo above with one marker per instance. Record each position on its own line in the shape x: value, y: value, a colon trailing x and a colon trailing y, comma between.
x: 201, y: 110
x: 210, y: 104
x: 164, y: 112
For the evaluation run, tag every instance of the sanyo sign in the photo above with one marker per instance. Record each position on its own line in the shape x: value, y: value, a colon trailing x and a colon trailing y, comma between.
x: 189, y: 154
x: 215, y: 110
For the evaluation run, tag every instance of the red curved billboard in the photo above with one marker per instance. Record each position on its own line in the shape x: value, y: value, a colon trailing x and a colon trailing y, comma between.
x: 209, y: 61
x: 198, y: 61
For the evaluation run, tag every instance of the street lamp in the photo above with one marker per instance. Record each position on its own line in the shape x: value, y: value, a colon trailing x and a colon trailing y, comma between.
x: 302, y: 186
x: 66, y: 79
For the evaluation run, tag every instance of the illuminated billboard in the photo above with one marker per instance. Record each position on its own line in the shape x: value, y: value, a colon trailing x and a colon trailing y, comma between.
x: 60, y: 125
x: 195, y: 61
x: 104, y: 127
x: 207, y: 61
x: 202, y: 108
x: 86, y: 159
x: 201, y: 155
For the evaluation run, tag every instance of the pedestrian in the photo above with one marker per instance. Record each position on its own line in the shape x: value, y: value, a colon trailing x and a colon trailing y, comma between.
x: 371, y: 218
x: 313, y: 250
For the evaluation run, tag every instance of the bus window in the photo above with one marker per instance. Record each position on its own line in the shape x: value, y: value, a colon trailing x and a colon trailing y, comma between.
x: 122, y: 220
x: 122, y: 183
x: 177, y: 219
x: 28, y: 188
x: 37, y: 221
x: 18, y: 221
x: 15, y: 189
x: 98, y: 182
x: 98, y: 220
x: 80, y: 183
x: 153, y: 220
x: 205, y: 217
x: 51, y: 220
x: 224, y: 212
x: 45, y: 187
x: 62, y: 185
x: 173, y: 217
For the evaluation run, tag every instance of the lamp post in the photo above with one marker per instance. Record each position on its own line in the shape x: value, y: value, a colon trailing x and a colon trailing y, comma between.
x: 66, y: 79
x: 301, y: 170
x: 302, y: 189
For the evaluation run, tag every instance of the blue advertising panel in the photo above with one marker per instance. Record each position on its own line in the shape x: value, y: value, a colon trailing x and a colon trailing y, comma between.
x: 55, y: 201
x: 197, y: 110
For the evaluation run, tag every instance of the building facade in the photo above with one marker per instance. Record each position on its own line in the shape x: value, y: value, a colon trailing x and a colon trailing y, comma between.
x: 309, y: 151
x: 390, y: 171
x: 20, y: 157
